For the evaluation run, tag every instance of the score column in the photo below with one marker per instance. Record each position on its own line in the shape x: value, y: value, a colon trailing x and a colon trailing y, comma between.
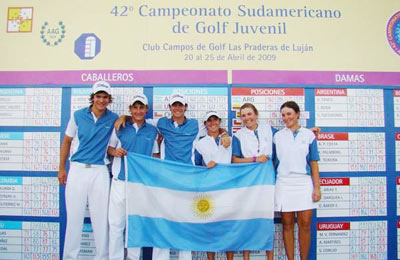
x: 26, y: 153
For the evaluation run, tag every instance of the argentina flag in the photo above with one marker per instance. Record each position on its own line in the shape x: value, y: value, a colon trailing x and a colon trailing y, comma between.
x: 174, y: 205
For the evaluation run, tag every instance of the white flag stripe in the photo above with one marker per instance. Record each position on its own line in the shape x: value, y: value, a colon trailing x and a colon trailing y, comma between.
x: 191, y: 207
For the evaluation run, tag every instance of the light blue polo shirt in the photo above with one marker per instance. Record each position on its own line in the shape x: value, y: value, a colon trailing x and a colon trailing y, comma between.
x: 137, y: 140
x: 178, y: 139
x: 92, y: 136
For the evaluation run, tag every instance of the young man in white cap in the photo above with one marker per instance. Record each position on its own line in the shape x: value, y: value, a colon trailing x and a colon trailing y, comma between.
x: 88, y: 178
x: 137, y: 137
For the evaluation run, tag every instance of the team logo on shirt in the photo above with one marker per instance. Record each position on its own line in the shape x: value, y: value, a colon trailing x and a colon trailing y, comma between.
x: 203, y: 206
x: 393, y: 32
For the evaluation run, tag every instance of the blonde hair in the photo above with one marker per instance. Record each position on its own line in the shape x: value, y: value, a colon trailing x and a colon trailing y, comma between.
x: 249, y: 105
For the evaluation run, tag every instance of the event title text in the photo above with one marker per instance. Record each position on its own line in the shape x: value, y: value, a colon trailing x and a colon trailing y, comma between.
x: 207, y: 25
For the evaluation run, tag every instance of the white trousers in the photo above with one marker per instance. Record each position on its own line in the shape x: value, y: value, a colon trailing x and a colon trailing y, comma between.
x: 117, y: 220
x: 163, y: 254
x: 84, y: 185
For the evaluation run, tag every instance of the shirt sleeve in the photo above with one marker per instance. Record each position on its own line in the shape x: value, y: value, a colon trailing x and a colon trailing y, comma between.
x: 156, y: 149
x: 236, y: 147
x: 113, y: 140
x: 273, y: 153
x: 313, y: 150
x: 152, y: 121
x: 202, y: 130
x: 198, y: 158
x: 274, y: 130
x: 72, y: 128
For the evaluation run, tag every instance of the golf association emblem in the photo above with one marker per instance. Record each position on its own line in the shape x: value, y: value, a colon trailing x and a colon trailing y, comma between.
x: 52, y: 34
x: 393, y: 32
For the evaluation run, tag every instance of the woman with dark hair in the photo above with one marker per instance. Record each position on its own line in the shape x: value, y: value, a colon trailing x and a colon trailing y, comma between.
x: 297, y: 185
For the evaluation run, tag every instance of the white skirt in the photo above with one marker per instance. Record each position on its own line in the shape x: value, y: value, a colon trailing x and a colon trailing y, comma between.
x: 294, y: 193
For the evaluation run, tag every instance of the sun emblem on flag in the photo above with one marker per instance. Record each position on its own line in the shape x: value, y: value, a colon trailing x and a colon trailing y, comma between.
x: 203, y: 206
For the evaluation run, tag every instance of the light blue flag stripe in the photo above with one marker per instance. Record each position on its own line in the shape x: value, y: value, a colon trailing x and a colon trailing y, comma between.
x: 232, y: 235
x: 183, y: 177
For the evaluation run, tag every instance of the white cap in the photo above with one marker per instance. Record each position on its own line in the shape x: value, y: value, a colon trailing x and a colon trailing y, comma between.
x: 141, y: 98
x: 101, y: 86
x: 211, y: 113
x: 177, y: 97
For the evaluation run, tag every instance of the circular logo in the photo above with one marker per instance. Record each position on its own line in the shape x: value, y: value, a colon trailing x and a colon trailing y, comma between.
x: 393, y: 32
x: 52, y: 34
x: 203, y: 205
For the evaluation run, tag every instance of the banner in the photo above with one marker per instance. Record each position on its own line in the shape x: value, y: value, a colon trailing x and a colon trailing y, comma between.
x: 336, y: 35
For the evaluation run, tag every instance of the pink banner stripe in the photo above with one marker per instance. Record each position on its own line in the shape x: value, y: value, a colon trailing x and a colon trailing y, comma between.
x: 113, y: 77
x: 316, y: 77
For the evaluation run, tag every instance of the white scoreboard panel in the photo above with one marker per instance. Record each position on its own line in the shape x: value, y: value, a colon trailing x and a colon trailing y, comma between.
x: 29, y: 196
x: 30, y: 106
x: 267, y: 101
x: 349, y: 107
x: 352, y: 152
x: 352, y: 240
x: 352, y: 196
x: 29, y: 151
x: 396, y: 106
x: 29, y: 240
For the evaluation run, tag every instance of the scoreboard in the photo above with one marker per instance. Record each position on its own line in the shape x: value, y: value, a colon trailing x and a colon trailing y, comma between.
x: 357, y: 218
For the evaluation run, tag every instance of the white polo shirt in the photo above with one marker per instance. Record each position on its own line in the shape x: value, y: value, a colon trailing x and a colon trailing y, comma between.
x: 294, y: 151
x: 210, y: 149
x: 248, y: 143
